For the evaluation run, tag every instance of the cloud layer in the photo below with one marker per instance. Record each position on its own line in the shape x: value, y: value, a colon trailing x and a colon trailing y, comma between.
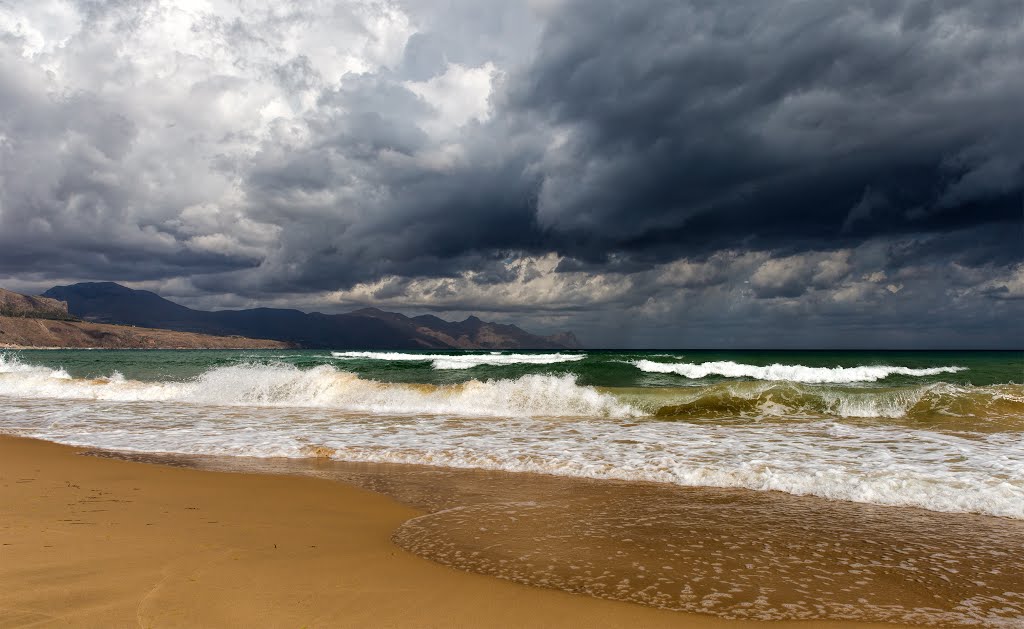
x: 679, y: 168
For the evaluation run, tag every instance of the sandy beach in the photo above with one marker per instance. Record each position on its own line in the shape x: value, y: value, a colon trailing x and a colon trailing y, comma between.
x: 94, y: 542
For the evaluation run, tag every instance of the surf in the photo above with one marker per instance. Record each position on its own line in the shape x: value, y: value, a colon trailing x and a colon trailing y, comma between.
x: 285, y: 385
x: 791, y: 373
x: 278, y: 384
x: 934, y: 445
x: 463, y: 361
x: 982, y: 408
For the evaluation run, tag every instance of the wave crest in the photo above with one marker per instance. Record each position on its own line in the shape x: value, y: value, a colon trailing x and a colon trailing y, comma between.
x: 791, y: 373
x: 997, y: 406
x: 517, y: 425
x: 463, y: 361
x: 324, y: 386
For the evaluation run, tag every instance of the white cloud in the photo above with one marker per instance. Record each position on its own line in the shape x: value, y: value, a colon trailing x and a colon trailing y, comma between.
x: 460, y: 95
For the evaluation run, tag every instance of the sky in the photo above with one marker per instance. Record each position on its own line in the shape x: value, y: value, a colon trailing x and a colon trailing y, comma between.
x: 651, y: 173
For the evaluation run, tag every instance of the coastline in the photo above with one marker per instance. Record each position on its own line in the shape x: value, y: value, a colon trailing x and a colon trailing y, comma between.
x: 93, y: 541
x: 18, y: 348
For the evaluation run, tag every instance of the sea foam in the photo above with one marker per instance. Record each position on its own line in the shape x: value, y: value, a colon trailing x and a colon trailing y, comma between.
x: 884, y: 465
x: 550, y: 424
x: 463, y: 361
x: 283, y: 385
x: 791, y: 373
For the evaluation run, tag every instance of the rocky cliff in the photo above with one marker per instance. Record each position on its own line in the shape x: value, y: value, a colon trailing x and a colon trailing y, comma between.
x: 17, y: 305
x: 24, y: 333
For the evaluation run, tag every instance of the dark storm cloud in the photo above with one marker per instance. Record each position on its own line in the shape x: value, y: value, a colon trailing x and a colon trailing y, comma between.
x: 662, y: 129
x: 778, y: 124
x: 692, y: 160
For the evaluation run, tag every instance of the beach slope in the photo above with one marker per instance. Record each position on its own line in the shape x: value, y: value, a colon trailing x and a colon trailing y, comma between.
x: 88, y: 541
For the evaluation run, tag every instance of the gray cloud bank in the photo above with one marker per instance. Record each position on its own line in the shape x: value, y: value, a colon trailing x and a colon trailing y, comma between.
x: 652, y: 173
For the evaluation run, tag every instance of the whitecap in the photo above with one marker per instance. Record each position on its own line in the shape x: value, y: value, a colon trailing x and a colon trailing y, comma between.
x: 791, y: 373
x: 283, y: 385
x: 463, y: 361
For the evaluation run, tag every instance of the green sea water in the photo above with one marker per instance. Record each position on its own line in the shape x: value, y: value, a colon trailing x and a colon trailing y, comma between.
x: 602, y: 368
x: 937, y: 430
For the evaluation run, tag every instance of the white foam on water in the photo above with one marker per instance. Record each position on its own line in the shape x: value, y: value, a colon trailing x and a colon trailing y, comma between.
x: 463, y: 361
x: 790, y: 373
x: 886, y: 465
x: 891, y: 404
x: 283, y: 385
x: 10, y: 364
x: 535, y: 423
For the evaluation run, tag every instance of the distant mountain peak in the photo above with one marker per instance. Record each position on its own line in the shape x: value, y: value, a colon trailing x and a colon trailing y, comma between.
x: 567, y: 339
x: 109, y: 302
x: 95, y: 288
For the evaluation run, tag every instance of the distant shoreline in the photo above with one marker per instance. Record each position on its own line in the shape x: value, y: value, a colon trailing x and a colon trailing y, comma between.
x: 18, y: 348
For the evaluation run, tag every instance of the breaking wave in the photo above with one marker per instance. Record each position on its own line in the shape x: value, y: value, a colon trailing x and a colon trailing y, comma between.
x: 531, y: 395
x: 463, y: 361
x: 326, y: 387
x: 553, y: 424
x: 992, y: 407
x: 791, y: 373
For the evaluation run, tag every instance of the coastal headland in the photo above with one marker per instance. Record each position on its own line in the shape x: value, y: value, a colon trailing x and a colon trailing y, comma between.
x: 35, y: 322
x: 33, y: 333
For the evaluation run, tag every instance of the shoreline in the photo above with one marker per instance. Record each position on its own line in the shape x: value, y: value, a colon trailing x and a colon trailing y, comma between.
x: 95, y: 541
x: 725, y: 552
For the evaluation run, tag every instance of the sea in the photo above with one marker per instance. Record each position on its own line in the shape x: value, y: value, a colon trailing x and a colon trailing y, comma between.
x: 919, y: 443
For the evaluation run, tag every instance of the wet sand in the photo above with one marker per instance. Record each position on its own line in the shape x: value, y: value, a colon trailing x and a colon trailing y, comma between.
x: 107, y: 540
x: 733, y: 553
x: 94, y: 542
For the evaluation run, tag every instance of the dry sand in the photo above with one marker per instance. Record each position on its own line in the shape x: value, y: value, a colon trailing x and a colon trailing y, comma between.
x: 92, y: 542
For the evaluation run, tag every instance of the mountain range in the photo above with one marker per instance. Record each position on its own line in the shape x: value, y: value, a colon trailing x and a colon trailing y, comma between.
x: 368, y: 328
